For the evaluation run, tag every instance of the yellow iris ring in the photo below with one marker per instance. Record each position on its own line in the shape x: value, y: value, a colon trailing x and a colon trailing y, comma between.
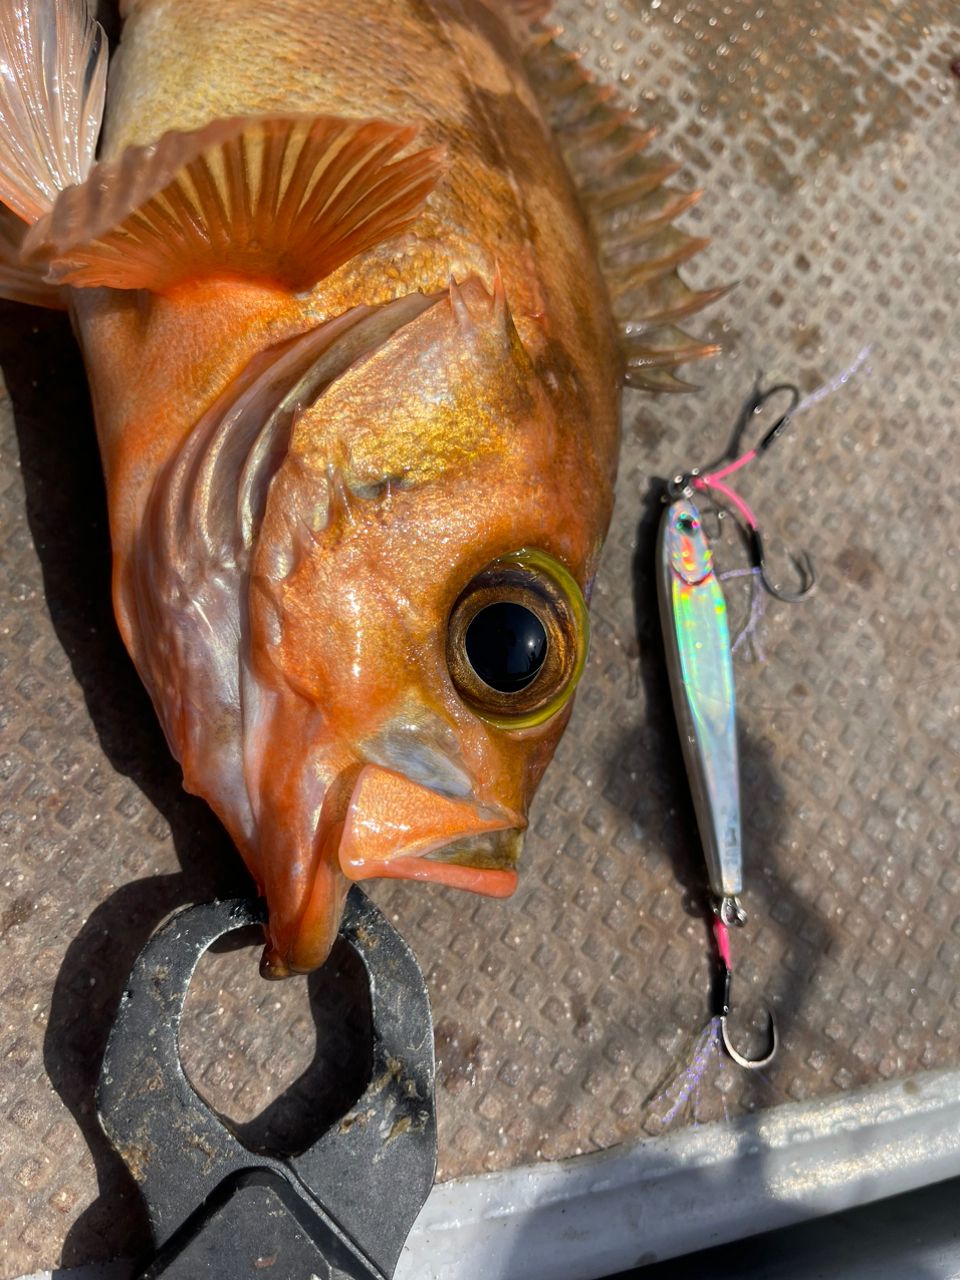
x: 539, y: 563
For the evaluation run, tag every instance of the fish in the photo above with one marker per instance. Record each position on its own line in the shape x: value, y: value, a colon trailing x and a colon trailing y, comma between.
x: 357, y: 284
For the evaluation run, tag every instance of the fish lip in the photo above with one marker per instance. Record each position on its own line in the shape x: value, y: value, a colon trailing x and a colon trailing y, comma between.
x: 473, y: 863
x: 485, y: 882
x: 396, y: 828
x: 492, y: 850
x: 484, y: 864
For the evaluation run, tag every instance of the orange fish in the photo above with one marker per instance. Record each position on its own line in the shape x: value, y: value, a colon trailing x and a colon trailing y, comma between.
x: 355, y: 372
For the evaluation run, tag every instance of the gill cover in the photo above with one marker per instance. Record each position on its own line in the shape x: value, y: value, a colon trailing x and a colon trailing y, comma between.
x: 306, y: 557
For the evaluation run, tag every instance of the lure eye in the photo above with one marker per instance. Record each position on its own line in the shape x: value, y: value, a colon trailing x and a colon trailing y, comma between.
x: 687, y: 523
x: 517, y: 639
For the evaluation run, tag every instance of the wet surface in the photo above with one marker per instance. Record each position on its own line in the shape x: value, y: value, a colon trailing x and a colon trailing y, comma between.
x: 826, y: 137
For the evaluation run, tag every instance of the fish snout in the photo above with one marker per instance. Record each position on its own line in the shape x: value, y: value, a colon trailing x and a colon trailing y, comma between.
x: 398, y: 828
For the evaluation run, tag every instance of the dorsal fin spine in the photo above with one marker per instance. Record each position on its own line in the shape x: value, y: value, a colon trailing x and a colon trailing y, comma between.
x: 629, y: 208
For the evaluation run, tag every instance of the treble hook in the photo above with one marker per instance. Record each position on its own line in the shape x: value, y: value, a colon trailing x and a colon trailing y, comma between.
x: 729, y: 912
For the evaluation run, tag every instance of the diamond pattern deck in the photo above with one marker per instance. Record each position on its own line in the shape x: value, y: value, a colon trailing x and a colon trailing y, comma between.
x: 825, y: 136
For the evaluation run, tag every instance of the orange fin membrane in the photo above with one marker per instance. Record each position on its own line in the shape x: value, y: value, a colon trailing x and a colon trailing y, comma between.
x: 630, y: 210
x: 54, y: 73
x: 285, y: 199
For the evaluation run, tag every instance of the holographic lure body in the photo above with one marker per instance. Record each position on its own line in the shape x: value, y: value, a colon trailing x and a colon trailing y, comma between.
x: 696, y: 638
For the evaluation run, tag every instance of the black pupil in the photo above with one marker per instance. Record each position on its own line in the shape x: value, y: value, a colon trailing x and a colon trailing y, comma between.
x: 506, y: 644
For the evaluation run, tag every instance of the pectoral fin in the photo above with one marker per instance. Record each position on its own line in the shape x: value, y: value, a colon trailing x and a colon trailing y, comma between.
x: 285, y: 200
x: 17, y: 282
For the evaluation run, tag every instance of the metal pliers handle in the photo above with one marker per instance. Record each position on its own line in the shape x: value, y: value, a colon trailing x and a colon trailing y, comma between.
x: 344, y: 1207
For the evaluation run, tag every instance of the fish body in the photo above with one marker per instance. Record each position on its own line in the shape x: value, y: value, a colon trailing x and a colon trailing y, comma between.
x: 505, y: 202
x: 696, y: 639
x: 355, y: 374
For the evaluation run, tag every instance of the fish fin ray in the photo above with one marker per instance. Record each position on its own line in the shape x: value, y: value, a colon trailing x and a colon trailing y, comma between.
x: 666, y: 300
x: 663, y: 347
x: 19, y: 283
x: 54, y: 56
x: 528, y: 15
x: 657, y: 380
x: 284, y: 199
x: 631, y: 210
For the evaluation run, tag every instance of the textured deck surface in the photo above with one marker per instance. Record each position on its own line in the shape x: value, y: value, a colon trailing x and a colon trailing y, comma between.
x: 826, y: 136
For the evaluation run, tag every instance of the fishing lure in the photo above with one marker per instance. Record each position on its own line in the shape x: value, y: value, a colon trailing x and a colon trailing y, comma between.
x: 356, y: 378
x: 696, y: 635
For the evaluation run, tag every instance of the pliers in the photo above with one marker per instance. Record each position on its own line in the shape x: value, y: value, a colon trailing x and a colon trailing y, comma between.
x: 340, y: 1210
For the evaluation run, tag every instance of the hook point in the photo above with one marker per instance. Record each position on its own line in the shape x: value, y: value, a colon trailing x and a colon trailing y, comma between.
x: 808, y: 578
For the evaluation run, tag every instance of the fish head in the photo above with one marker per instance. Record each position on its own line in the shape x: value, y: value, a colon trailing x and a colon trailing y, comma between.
x: 417, y: 615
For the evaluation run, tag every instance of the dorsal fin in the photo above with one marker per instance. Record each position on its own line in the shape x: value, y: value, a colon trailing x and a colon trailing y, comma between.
x: 629, y: 208
x: 54, y: 73
x: 284, y: 199
x: 526, y: 13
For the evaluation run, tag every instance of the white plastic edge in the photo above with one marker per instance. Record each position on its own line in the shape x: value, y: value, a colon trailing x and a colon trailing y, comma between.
x: 661, y: 1197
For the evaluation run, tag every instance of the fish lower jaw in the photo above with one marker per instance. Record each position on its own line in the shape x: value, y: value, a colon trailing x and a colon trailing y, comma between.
x: 398, y: 829
x: 484, y: 864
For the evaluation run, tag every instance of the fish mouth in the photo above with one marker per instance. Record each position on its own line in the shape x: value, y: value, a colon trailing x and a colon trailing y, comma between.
x: 399, y: 829
x: 493, y: 851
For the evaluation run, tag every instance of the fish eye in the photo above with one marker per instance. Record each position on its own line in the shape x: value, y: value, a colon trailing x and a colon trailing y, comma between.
x: 506, y: 644
x: 517, y: 640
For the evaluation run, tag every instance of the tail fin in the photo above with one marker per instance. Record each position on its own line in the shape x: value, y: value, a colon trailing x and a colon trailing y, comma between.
x: 54, y: 59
